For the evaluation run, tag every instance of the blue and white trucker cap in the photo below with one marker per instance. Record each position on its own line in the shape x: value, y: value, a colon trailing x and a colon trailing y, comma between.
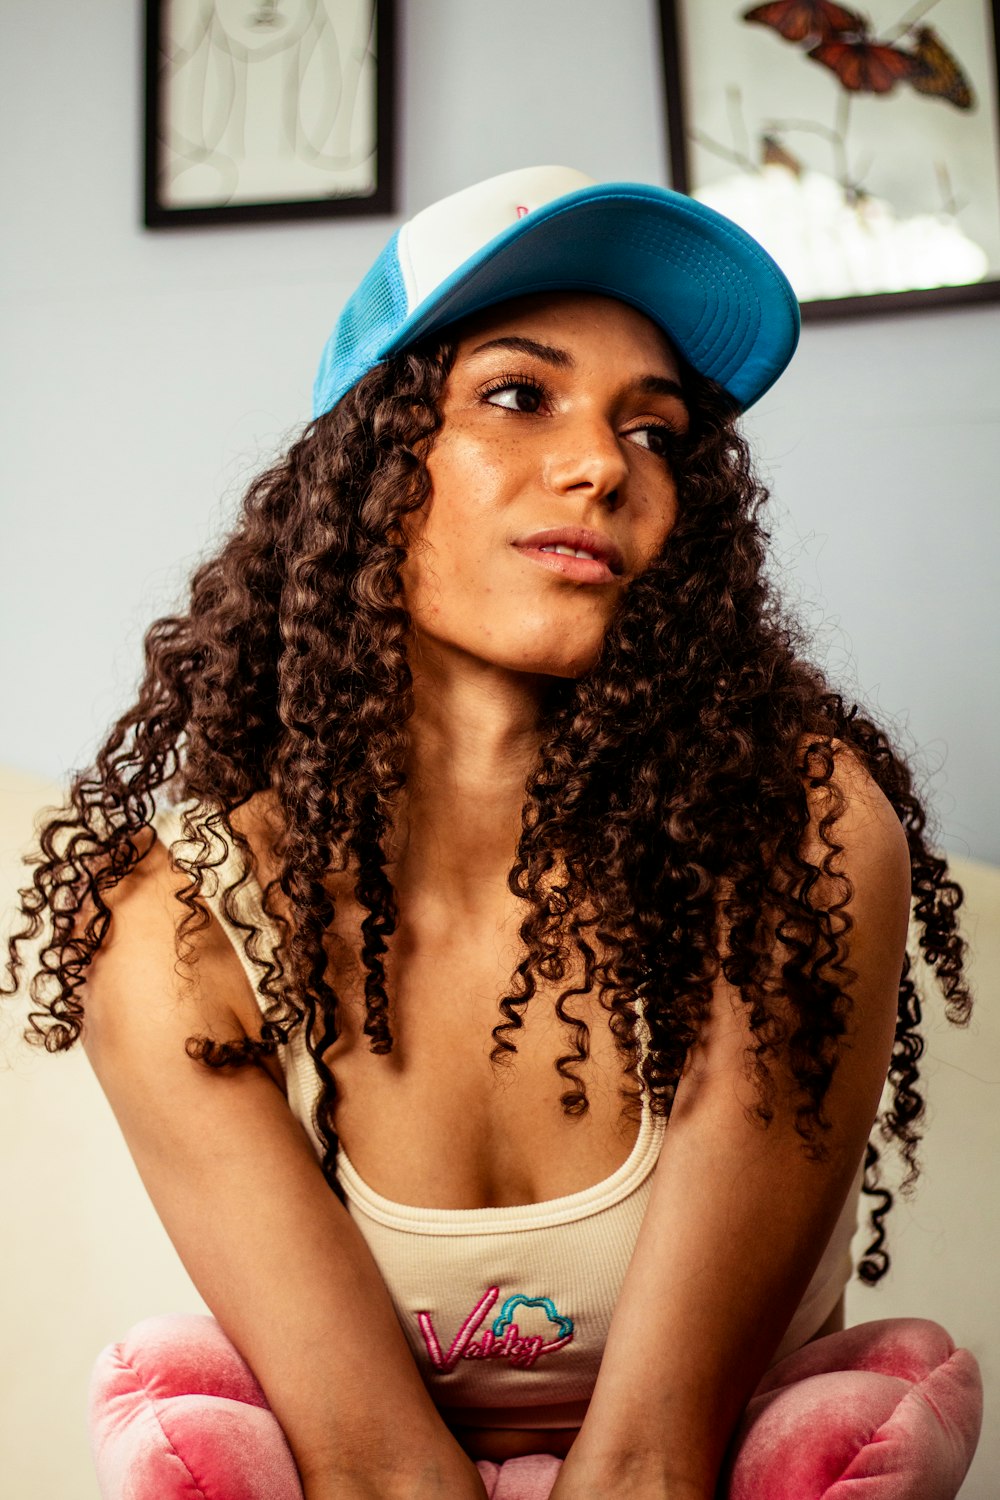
x: 718, y: 296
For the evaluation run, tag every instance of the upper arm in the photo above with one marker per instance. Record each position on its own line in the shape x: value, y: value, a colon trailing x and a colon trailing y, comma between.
x: 873, y: 858
x: 201, y: 1138
x: 137, y: 989
x: 764, y: 1175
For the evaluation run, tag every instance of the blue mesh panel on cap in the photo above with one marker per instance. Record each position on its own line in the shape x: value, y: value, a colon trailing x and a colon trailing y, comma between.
x: 369, y: 319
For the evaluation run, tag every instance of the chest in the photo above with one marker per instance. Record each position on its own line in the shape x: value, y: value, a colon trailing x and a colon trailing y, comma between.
x: 433, y: 1123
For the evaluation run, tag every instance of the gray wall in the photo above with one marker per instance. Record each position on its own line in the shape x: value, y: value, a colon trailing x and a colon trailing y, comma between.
x: 147, y: 376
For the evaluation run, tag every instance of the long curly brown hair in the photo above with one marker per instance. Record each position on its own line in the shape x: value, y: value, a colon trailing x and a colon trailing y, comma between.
x: 669, y: 791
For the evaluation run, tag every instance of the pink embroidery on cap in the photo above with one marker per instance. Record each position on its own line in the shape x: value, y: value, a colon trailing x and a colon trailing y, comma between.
x: 503, y: 1340
x: 522, y: 211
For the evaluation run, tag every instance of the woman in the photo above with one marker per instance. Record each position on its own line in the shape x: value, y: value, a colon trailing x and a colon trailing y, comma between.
x: 486, y: 704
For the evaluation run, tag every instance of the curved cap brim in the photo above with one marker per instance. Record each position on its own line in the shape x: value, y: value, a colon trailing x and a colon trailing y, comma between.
x: 713, y: 290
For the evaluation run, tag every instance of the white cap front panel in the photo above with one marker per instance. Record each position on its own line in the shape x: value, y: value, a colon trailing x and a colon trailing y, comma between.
x: 438, y: 240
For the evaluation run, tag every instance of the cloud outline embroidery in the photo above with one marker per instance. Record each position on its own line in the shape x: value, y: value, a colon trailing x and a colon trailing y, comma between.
x: 504, y: 1318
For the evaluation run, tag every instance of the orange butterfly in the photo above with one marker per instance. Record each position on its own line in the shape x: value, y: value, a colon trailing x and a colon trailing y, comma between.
x: 942, y: 74
x: 866, y: 67
x: 798, y: 19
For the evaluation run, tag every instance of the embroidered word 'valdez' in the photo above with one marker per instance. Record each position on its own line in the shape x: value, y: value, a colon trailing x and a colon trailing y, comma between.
x: 503, y: 1341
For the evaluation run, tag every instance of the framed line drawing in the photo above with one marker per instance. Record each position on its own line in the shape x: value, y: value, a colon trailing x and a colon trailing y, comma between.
x: 861, y: 147
x: 268, y: 109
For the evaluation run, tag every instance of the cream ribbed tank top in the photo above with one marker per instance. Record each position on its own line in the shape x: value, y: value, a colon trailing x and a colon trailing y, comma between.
x: 507, y: 1310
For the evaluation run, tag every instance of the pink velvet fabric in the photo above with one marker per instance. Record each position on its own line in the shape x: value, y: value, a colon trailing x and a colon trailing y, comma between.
x: 889, y: 1410
x: 885, y: 1411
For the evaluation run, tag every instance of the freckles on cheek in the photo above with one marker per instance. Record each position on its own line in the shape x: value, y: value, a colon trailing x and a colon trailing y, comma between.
x: 482, y: 466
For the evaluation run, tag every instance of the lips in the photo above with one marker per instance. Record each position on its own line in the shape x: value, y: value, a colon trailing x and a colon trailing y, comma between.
x: 603, y: 561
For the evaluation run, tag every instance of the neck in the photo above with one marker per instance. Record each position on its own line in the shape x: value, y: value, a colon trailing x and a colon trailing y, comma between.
x: 473, y: 738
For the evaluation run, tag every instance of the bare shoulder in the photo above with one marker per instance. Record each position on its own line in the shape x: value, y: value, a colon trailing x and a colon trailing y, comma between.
x: 137, y: 981
x: 865, y: 830
x: 859, y: 856
x: 857, y: 848
x: 866, y: 844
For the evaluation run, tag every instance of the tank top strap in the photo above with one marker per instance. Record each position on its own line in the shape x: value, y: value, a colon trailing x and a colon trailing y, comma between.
x: 246, y: 900
x: 643, y: 1037
x: 302, y: 1083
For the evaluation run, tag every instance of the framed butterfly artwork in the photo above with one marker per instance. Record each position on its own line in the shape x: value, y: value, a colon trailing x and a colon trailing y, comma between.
x: 267, y: 109
x: 860, y: 146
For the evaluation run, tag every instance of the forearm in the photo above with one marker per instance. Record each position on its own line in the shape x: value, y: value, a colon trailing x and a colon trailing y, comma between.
x: 291, y: 1280
x: 278, y: 1261
x: 721, y: 1263
x: 313, y: 1318
x: 693, y: 1332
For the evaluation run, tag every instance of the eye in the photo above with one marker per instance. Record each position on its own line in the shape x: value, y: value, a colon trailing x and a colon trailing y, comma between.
x: 514, y: 394
x: 660, y: 439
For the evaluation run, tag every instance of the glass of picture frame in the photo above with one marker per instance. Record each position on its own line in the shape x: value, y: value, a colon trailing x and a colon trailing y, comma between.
x: 861, y: 148
x: 268, y: 109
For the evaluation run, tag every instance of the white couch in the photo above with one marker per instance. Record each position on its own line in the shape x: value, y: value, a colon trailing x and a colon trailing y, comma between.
x: 84, y: 1255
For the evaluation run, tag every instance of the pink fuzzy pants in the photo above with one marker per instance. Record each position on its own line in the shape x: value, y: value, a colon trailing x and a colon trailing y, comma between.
x: 889, y: 1410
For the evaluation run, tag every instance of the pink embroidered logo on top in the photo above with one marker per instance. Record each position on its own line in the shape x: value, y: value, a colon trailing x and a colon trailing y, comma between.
x: 522, y: 211
x: 503, y: 1341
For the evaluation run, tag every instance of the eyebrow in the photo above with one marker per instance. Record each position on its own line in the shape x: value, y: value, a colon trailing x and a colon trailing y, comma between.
x: 648, y: 385
x: 546, y: 352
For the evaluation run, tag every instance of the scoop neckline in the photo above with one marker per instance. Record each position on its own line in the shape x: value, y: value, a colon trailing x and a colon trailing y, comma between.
x: 515, y: 1216
x: 509, y: 1217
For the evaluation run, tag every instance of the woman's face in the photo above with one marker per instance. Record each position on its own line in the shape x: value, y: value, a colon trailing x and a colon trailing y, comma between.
x: 560, y: 416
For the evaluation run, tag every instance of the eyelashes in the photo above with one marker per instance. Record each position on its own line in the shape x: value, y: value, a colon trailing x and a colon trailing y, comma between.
x: 515, y: 383
x: 663, y: 439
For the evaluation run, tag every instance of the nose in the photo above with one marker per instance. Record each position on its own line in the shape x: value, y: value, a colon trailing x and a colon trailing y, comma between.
x: 585, y: 458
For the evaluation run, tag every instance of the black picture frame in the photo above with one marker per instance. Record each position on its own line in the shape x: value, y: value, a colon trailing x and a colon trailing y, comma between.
x: 673, y: 15
x: 297, y: 180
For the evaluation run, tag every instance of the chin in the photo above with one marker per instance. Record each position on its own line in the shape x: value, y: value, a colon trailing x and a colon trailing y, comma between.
x: 568, y: 667
x: 556, y: 648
